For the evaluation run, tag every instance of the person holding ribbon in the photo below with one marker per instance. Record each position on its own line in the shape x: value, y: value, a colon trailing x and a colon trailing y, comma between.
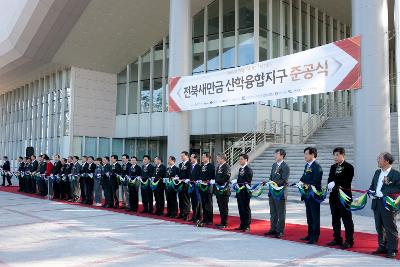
x: 280, y: 172
x: 183, y: 194
x: 123, y: 187
x: 75, y: 176
x: 195, y: 175
x: 311, y: 180
x: 56, y: 172
x: 107, y: 188
x: 205, y: 188
x: 89, y: 181
x: 243, y: 196
x: 6, y: 171
x: 159, y: 174
x: 385, y: 184
x: 171, y: 174
x: 97, y: 177
x: 340, y: 176
x: 114, y: 180
x: 222, y: 190
x: 135, y: 173
x: 21, y: 168
x: 146, y: 192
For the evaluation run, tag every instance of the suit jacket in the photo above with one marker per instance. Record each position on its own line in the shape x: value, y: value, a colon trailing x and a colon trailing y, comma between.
x: 21, y: 167
x: 6, y: 166
x: 171, y: 172
x: 125, y: 168
x: 223, y: 174
x: 135, y: 171
x: 147, y: 171
x: 207, y: 172
x: 280, y: 175
x: 342, y: 175
x: 84, y: 167
x: 76, y: 169
x: 392, y: 186
x: 184, y: 170
x: 91, y: 167
x: 195, y: 172
x: 56, y: 168
x: 42, y: 167
x: 245, y: 175
x: 160, y: 171
x: 312, y: 175
x: 34, y: 166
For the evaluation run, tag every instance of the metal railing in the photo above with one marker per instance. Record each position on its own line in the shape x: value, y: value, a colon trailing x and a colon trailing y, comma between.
x: 281, y: 133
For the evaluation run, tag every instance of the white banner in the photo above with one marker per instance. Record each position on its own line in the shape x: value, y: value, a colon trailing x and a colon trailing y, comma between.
x: 331, y: 67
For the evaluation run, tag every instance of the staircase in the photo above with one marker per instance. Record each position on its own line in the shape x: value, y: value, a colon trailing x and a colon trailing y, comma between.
x: 334, y: 132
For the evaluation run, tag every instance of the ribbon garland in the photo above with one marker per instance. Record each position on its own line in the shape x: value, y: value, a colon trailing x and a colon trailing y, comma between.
x: 153, y: 184
x: 277, y: 192
x: 353, y: 204
x: 392, y: 203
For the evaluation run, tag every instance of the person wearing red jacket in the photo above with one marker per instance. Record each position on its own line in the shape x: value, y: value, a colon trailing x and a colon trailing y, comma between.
x: 49, y: 169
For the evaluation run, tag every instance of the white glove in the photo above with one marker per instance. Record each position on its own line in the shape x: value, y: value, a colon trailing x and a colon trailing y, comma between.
x: 187, y: 181
x: 300, y: 183
x: 212, y: 182
x: 234, y: 181
x: 379, y: 194
x: 331, y: 185
x: 176, y: 177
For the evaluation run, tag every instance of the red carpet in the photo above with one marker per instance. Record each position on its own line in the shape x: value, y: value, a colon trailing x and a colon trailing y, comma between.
x: 364, y: 242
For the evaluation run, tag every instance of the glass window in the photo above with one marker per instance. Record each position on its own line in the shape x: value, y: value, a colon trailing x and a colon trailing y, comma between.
x: 146, y: 66
x: 145, y: 96
x: 229, y: 15
x: 133, y: 71
x: 246, y: 14
x: 130, y: 147
x: 198, y: 55
x: 121, y: 99
x: 198, y: 24
x: 263, y: 14
x: 133, y: 98
x: 117, y: 147
x: 121, y: 77
x: 77, y: 146
x: 104, y: 147
x: 228, y: 43
x: 141, y: 149
x: 275, y: 16
x: 213, y: 18
x: 158, y: 61
x: 246, y: 47
x: 157, y: 95
x: 91, y: 146
x: 213, y: 52
x: 153, y: 148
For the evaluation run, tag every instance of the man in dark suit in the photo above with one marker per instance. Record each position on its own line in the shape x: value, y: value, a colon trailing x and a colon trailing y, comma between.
x: 340, y: 176
x: 146, y: 192
x: 83, y: 178
x: 280, y: 175
x: 75, y: 176
x: 386, y: 182
x: 89, y: 180
x: 207, y: 174
x: 34, y: 167
x: 56, y: 172
x: 123, y: 188
x: 28, y: 178
x: 172, y: 202
x: 159, y: 175
x: 6, y: 171
x: 105, y: 183
x: 195, y: 175
x: 222, y: 178
x: 115, y: 172
x: 183, y: 195
x: 134, y: 172
x: 245, y: 177
x: 312, y: 176
x: 21, y: 168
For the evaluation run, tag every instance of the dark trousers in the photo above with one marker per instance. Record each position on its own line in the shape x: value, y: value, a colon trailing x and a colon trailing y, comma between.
x: 159, y: 197
x: 42, y: 185
x: 32, y: 185
x: 82, y: 184
x: 56, y: 189
x: 114, y: 192
x: 133, y: 197
x: 147, y: 198
x: 65, y: 189
x: 184, y: 201
x: 89, y: 184
x: 313, y: 218
x: 385, y: 224
x: 108, y: 192
x: 277, y: 214
x: 223, y: 200
x: 196, y: 204
x: 243, y: 201
x: 21, y: 184
x: 172, y: 202
x: 207, y: 205
x: 28, y: 182
x: 339, y: 212
x: 8, y: 177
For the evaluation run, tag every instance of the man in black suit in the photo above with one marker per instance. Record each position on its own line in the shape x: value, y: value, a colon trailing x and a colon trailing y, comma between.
x: 105, y: 183
x: 243, y: 197
x: 6, y: 171
x: 386, y: 182
x: 123, y: 188
x: 34, y: 167
x: 89, y: 180
x: 28, y: 178
x: 172, y: 202
x: 222, y: 178
x: 183, y: 195
x: 134, y: 172
x: 76, y: 171
x: 83, y: 178
x: 115, y: 172
x: 207, y: 174
x: 340, y: 176
x: 21, y: 168
x: 56, y: 172
x: 159, y: 175
x: 280, y: 175
x: 195, y: 175
x: 146, y: 192
x: 312, y: 176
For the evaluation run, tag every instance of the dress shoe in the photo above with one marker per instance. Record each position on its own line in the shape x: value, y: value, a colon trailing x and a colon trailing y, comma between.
x: 193, y: 219
x: 238, y: 229
x: 391, y: 255
x: 270, y: 233
x: 380, y: 251
x: 334, y: 243
x: 246, y: 229
x: 144, y: 211
x: 312, y: 242
x: 306, y: 238
x: 221, y: 226
x: 279, y: 235
x: 347, y: 245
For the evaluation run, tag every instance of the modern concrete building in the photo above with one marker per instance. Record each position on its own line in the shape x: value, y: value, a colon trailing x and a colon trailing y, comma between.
x: 91, y: 76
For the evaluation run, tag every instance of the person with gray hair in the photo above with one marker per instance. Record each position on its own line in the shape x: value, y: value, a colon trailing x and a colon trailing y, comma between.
x: 222, y: 179
x: 386, y: 182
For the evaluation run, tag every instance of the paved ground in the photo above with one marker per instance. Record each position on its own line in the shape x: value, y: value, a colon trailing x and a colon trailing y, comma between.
x: 41, y: 233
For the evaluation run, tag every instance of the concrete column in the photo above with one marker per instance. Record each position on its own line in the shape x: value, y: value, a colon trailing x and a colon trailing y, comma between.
x: 371, y: 114
x: 180, y: 64
x: 396, y: 69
